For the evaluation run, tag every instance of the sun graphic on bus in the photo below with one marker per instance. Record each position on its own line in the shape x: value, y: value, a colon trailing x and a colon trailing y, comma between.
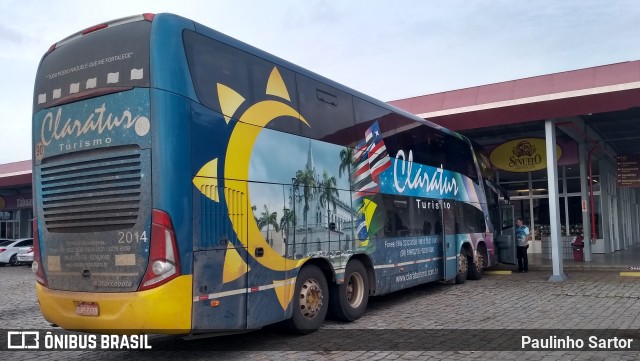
x: 236, y: 168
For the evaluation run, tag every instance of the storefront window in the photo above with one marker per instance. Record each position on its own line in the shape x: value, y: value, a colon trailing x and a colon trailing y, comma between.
x: 598, y: 215
x: 525, y: 197
x: 573, y: 185
x: 517, y: 189
x: 539, y: 188
x: 574, y: 205
x: 572, y: 171
x: 539, y: 175
x: 541, y: 217
x: 522, y: 210
x: 9, y: 229
x: 513, y: 177
x: 596, y: 184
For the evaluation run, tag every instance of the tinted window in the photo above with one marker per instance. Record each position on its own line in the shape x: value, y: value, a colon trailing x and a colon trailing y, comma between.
x: 367, y: 114
x: 410, y: 216
x: 432, y: 147
x: 212, y: 63
x: 468, y: 218
x: 25, y: 243
x: 117, y: 56
x: 5, y: 243
x: 329, y: 111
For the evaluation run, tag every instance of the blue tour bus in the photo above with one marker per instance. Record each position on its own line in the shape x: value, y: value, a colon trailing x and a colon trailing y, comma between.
x: 186, y: 182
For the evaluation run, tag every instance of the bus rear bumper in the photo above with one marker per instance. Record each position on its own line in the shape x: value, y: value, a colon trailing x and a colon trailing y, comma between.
x: 165, y: 309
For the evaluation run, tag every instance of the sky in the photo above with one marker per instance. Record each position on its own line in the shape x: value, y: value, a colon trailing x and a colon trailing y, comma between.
x: 389, y: 50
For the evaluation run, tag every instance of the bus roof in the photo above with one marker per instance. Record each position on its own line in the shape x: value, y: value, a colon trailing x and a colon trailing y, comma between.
x: 216, y: 35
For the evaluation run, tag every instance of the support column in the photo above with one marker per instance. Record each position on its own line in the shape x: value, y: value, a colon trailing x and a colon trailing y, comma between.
x: 554, y: 204
x: 584, y: 196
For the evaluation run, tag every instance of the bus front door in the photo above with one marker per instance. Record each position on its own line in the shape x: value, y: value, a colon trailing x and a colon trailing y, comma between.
x: 506, y: 236
x: 449, y: 240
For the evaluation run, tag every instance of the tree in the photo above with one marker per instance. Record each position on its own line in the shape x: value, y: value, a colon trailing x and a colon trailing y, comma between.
x: 268, y: 218
x: 328, y: 191
x: 287, y: 220
x: 305, y: 179
x: 254, y: 209
x: 346, y: 163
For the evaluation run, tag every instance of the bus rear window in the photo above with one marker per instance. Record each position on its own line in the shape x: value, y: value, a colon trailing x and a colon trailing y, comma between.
x: 114, y: 57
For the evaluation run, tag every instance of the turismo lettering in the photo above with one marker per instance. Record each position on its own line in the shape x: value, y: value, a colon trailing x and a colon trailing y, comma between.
x: 404, y: 176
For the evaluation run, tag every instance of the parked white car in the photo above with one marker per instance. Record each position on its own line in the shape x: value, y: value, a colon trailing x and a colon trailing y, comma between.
x: 25, y: 256
x: 9, y: 250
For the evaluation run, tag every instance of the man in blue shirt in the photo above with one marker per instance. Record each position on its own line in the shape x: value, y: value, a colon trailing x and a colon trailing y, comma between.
x: 522, y: 239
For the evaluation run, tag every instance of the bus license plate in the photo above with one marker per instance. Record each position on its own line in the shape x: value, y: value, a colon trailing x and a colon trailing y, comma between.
x: 87, y: 309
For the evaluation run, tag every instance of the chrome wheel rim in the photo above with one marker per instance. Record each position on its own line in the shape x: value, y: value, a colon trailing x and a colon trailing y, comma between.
x: 355, y: 289
x: 311, y: 298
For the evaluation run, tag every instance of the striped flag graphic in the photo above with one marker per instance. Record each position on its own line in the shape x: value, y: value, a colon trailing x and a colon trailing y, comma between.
x: 370, y: 160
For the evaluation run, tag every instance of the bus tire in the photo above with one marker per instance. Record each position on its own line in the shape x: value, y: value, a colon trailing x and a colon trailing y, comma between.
x: 476, y: 270
x: 310, y: 301
x: 463, y: 268
x: 349, y: 299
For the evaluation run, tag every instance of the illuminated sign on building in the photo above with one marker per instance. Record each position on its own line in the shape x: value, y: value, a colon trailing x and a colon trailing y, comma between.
x: 522, y: 155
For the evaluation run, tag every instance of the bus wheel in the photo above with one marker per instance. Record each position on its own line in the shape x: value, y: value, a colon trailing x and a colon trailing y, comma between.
x: 349, y: 299
x: 463, y: 268
x: 477, y: 270
x: 310, y: 300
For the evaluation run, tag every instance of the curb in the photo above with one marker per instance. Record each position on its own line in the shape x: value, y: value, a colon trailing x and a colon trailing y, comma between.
x: 572, y: 268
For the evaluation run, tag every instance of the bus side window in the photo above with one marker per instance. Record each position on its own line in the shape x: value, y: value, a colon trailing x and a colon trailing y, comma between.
x: 449, y: 215
x: 328, y: 111
x: 216, y: 66
x: 367, y: 114
x: 426, y: 228
x: 438, y: 228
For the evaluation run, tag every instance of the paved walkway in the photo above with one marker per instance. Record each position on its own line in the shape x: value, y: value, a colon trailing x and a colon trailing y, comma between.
x: 619, y: 261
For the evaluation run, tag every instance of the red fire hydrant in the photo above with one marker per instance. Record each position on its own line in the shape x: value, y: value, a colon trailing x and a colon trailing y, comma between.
x: 578, y: 249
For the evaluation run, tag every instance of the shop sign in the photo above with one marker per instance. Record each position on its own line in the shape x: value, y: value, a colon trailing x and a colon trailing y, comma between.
x: 628, y: 171
x: 8, y: 203
x: 522, y: 155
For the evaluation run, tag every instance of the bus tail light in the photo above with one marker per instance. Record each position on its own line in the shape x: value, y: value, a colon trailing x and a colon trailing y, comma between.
x: 145, y: 17
x: 94, y: 28
x: 164, y: 260
x: 37, y: 266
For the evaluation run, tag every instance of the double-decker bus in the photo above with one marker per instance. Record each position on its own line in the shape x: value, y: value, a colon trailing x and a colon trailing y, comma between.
x: 186, y: 182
